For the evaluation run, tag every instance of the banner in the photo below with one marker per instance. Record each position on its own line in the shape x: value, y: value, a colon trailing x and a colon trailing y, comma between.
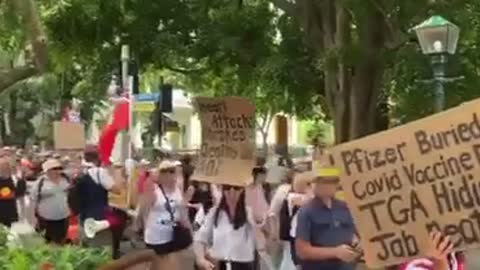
x: 228, y: 140
x: 403, y: 183
x: 68, y: 135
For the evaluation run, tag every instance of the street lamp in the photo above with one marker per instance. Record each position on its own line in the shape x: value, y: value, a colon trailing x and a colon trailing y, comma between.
x: 438, y: 39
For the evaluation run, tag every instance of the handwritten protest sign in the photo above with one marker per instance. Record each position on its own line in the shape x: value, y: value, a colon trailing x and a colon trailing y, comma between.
x: 68, y: 135
x: 405, y: 182
x: 228, y: 140
x: 127, y: 199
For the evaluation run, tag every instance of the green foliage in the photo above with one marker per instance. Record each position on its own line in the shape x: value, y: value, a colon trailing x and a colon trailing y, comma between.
x: 31, y: 254
x: 411, y: 99
x: 220, y: 48
x: 50, y: 257
x: 318, y: 131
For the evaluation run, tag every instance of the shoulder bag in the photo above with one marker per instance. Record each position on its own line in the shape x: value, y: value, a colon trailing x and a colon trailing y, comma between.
x: 182, y: 236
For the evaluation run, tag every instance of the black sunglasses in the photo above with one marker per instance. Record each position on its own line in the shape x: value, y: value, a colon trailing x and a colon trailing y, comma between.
x: 230, y: 187
x: 57, y: 169
x: 171, y: 170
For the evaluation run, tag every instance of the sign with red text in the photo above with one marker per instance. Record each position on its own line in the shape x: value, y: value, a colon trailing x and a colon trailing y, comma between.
x: 403, y: 183
x: 228, y: 140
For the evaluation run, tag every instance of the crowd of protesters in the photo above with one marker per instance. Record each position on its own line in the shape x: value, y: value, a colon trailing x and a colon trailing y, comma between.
x: 289, y: 218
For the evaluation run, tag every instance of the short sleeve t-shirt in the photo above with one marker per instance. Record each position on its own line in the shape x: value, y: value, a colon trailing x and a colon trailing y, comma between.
x: 325, y: 227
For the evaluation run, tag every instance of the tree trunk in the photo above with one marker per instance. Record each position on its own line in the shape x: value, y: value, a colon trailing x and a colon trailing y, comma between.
x: 365, y: 93
x: 11, y: 76
x: 32, y: 25
x: 15, y: 136
x: 264, y: 127
x: 264, y: 142
x: 351, y: 87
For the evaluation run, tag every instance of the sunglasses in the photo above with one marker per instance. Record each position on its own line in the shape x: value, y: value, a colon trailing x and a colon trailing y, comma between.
x: 229, y: 187
x: 167, y: 170
x: 57, y: 169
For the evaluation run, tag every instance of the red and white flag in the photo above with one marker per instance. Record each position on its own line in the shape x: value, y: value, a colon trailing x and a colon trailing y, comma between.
x: 120, y: 122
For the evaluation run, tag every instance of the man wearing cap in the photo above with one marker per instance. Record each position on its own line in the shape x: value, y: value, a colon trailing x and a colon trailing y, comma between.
x: 325, y: 235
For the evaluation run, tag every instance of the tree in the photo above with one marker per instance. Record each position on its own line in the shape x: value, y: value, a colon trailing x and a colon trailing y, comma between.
x: 345, y: 57
x: 355, y: 43
x: 412, y: 99
x: 16, y: 15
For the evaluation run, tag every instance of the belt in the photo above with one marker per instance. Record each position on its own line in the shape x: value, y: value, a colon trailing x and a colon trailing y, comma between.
x: 232, y: 265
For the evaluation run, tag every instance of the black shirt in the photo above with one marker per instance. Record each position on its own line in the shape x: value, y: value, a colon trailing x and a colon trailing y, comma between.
x: 9, y: 192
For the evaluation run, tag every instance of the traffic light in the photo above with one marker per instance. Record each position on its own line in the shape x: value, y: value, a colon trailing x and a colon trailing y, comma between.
x: 166, y: 98
x: 133, y: 71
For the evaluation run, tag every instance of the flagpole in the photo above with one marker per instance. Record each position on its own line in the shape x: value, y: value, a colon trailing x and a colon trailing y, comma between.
x: 130, y: 163
x: 128, y: 84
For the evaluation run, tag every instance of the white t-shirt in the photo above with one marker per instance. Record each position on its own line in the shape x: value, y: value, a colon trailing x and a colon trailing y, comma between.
x: 101, y: 176
x: 277, y: 200
x: 224, y: 241
x: 159, y: 225
x: 290, y: 198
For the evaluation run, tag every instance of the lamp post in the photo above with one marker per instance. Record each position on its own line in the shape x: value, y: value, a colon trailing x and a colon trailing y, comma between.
x: 438, y: 39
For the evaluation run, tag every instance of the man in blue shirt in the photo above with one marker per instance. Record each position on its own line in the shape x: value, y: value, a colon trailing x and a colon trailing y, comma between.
x: 325, y: 235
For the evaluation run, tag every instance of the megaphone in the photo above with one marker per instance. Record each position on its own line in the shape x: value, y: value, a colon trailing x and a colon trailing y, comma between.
x: 91, y: 227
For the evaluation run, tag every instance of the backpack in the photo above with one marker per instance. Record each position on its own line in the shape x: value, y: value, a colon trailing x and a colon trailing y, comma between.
x: 286, y: 220
x: 74, y: 197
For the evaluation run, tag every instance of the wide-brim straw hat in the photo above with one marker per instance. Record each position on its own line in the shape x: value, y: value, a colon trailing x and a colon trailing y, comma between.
x: 166, y: 164
x: 51, y: 164
x: 327, y: 174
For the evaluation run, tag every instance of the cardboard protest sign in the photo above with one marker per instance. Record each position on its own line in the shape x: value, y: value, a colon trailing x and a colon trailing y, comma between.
x: 228, y: 140
x: 405, y: 182
x: 68, y: 135
x: 127, y: 199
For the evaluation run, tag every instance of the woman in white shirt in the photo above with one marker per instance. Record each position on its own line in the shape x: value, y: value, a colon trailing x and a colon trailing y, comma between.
x: 162, y: 201
x: 229, y: 233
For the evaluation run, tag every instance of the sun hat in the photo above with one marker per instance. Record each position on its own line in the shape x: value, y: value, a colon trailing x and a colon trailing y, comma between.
x: 51, y: 164
x: 327, y: 174
x: 166, y: 164
x: 178, y: 163
x: 145, y: 162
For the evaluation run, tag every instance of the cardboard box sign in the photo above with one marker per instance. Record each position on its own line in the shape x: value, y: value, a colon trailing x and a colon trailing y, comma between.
x: 68, y: 135
x: 228, y: 140
x: 423, y: 176
x: 127, y: 199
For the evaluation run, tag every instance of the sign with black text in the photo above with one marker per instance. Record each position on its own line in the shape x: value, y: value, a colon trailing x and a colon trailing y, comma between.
x: 228, y: 140
x: 403, y: 183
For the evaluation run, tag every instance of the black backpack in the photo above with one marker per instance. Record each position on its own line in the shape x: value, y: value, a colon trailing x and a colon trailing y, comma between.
x: 286, y: 220
x: 74, y: 197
